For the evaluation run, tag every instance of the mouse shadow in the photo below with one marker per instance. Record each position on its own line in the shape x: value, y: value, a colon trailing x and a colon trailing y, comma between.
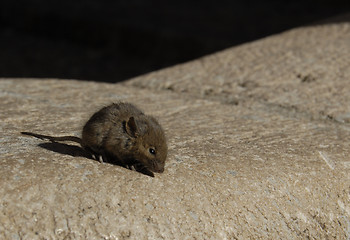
x: 66, y: 149
x: 76, y: 151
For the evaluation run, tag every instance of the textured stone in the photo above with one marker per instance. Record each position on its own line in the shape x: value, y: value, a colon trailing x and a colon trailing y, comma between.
x: 283, y: 71
x: 258, y: 141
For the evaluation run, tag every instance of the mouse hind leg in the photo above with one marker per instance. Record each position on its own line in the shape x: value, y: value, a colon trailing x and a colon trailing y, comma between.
x: 101, y: 157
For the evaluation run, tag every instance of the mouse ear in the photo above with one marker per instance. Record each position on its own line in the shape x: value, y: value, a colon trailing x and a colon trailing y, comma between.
x: 131, y: 127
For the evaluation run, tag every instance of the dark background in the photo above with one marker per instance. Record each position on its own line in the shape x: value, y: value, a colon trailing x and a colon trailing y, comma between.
x: 106, y: 40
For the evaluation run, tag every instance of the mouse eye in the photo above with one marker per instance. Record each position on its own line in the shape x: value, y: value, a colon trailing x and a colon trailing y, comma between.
x: 152, y: 151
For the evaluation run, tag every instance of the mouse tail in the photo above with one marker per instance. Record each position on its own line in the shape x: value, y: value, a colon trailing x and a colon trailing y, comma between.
x: 54, y: 139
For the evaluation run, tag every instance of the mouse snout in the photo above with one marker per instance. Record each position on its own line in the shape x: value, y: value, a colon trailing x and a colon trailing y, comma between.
x: 159, y: 168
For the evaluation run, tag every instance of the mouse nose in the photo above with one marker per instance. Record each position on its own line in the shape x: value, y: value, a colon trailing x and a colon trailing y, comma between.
x: 160, y: 169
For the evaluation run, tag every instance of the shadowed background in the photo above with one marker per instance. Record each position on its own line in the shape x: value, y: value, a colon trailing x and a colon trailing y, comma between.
x: 111, y: 41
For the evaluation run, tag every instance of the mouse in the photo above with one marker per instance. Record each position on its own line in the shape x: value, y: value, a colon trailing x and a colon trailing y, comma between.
x: 121, y: 133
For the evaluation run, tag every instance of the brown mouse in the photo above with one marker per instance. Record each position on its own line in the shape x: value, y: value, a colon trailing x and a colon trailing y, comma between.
x: 122, y: 133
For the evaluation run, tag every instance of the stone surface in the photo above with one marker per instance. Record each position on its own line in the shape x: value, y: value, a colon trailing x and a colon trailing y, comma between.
x: 258, y: 141
x: 284, y: 71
